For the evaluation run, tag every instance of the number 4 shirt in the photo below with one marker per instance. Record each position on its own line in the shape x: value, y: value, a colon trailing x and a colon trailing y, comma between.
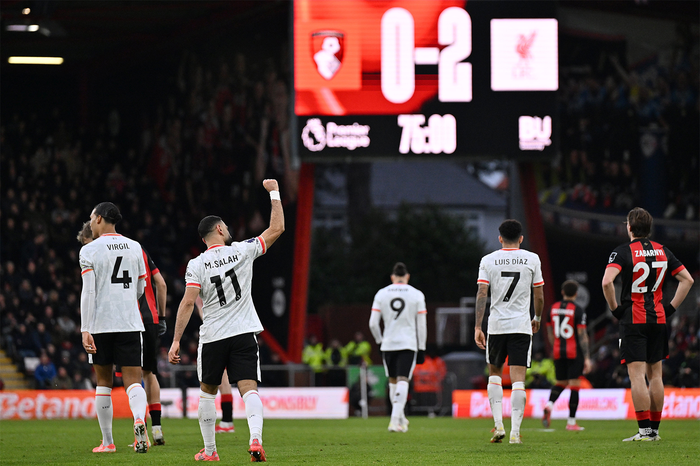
x: 224, y: 275
x: 643, y: 266
x: 117, y: 262
x: 511, y: 274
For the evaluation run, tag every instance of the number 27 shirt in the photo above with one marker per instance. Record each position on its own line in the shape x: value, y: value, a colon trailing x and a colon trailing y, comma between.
x: 643, y: 266
x: 224, y: 275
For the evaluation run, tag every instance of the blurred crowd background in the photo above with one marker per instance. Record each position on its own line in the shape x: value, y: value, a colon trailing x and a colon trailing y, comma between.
x: 219, y: 123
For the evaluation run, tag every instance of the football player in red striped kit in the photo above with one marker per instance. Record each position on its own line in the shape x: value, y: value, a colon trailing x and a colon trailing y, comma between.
x: 643, y: 266
x: 566, y: 328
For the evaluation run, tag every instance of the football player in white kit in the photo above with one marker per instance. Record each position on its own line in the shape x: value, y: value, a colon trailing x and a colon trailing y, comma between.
x: 402, y: 308
x: 512, y: 274
x: 223, y: 276
x: 113, y: 274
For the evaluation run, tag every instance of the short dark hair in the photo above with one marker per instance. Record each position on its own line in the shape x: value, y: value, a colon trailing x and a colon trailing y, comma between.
x: 570, y: 288
x: 109, y: 212
x: 84, y: 233
x: 510, y: 230
x: 208, y: 224
x: 640, y: 222
x: 399, y: 269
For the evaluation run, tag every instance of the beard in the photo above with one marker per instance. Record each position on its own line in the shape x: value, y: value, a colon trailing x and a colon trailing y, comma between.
x: 229, y: 240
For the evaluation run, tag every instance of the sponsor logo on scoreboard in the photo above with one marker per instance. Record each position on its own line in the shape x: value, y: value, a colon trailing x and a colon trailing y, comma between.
x: 316, y: 137
x: 535, y: 133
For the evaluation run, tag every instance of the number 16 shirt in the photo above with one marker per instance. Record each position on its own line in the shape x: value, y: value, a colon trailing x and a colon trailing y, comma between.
x: 511, y: 274
x: 224, y: 275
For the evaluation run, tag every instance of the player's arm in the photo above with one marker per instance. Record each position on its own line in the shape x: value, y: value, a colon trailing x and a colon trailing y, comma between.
x: 538, y: 301
x: 161, y: 293
x: 422, y: 321
x: 480, y: 309
x: 550, y: 334
x: 374, y: 320
x: 87, y: 309
x: 184, y: 312
x: 685, y: 283
x: 609, y: 287
x: 276, y: 227
x: 585, y: 348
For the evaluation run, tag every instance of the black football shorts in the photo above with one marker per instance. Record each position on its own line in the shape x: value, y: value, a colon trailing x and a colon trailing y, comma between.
x: 516, y: 346
x: 120, y: 348
x: 239, y: 354
x: 643, y: 342
x: 568, y: 369
x: 399, y: 363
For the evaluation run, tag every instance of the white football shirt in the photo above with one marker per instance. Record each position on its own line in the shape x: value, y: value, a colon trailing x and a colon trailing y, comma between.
x: 399, y: 304
x: 224, y: 275
x: 117, y: 262
x: 511, y: 274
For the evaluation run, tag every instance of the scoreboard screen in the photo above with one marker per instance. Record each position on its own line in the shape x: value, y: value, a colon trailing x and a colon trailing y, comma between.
x: 425, y: 78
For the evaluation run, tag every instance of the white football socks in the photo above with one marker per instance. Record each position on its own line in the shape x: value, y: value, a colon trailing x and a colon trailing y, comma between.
x: 207, y: 421
x: 105, y: 412
x: 138, y: 401
x: 517, y: 401
x: 398, y: 403
x: 392, y: 392
x: 495, y: 392
x: 254, y: 413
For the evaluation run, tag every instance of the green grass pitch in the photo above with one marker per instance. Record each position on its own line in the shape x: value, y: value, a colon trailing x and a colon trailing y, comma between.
x: 357, y: 442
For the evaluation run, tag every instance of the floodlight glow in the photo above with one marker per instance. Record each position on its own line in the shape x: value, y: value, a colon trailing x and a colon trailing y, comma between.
x: 26, y: 11
x: 33, y: 27
x: 35, y: 60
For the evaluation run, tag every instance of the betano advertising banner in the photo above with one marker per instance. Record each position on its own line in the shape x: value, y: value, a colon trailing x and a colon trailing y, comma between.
x: 279, y: 403
x: 597, y: 404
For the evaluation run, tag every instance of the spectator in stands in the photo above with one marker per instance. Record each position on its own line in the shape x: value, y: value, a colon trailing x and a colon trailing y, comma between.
x: 314, y: 356
x: 541, y: 373
x: 63, y: 380
x: 359, y: 350
x: 335, y: 359
x: 45, y: 373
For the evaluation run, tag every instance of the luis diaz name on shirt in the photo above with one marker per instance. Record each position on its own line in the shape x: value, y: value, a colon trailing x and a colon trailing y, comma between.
x: 511, y: 261
x: 221, y: 262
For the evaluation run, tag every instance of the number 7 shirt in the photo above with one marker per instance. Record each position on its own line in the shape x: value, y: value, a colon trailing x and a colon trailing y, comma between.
x: 224, y: 275
x: 511, y: 274
x: 643, y: 266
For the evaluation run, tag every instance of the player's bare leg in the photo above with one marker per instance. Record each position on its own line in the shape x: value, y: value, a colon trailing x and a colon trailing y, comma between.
x: 398, y: 404
x: 103, y: 406
x: 138, y: 402
x: 518, y: 399
x: 495, y: 392
x: 656, y: 397
x: 152, y: 387
x: 207, y: 420
x: 641, y: 400
x: 226, y: 423
x: 254, y: 412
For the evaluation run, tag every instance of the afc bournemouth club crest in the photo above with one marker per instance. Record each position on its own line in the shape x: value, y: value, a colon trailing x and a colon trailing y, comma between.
x: 327, y: 49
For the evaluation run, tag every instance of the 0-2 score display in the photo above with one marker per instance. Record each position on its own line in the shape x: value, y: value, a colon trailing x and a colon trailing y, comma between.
x: 424, y: 77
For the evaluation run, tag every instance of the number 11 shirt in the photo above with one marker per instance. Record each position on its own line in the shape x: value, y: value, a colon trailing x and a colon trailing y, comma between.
x: 511, y: 274
x: 224, y: 275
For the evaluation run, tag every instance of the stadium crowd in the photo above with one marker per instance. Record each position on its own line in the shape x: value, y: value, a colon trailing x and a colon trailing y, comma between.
x: 216, y: 133
x: 604, y: 113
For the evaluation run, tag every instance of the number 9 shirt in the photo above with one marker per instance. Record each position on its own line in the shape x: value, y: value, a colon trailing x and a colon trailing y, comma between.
x: 224, y: 275
x: 399, y: 304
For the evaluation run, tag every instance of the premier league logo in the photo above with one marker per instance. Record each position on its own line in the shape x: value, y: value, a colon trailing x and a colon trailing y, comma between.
x: 327, y: 50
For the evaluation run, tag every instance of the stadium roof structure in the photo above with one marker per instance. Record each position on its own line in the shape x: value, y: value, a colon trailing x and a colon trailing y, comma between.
x: 99, y: 34
x: 420, y: 183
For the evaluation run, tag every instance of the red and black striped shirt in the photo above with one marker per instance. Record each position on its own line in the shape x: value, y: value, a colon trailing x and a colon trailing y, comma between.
x: 643, y: 266
x: 147, y: 301
x: 565, y: 318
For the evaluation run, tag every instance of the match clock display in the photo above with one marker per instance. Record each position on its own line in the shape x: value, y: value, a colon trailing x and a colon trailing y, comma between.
x: 425, y: 78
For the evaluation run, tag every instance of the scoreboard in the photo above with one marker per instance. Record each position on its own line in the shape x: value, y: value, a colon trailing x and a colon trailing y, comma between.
x: 425, y: 78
